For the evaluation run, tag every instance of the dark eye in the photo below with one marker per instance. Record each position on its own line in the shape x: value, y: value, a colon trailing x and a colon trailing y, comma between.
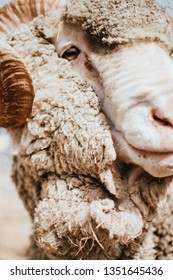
x: 71, y: 53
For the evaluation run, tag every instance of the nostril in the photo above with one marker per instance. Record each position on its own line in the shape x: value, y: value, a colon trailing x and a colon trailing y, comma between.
x: 161, y: 119
x: 163, y: 122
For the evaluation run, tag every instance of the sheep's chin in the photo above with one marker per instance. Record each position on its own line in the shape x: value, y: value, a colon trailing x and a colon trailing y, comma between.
x: 158, y: 165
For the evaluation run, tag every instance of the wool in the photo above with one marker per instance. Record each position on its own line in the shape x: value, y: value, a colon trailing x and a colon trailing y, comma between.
x: 112, y: 23
x: 66, y: 172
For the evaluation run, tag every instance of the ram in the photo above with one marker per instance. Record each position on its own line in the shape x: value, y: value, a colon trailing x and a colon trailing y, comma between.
x: 86, y: 93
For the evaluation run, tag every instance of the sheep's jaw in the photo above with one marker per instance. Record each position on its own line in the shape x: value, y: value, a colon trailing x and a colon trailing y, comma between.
x: 156, y: 164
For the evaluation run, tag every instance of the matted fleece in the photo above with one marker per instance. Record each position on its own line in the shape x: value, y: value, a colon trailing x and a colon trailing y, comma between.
x: 114, y: 22
x: 65, y: 168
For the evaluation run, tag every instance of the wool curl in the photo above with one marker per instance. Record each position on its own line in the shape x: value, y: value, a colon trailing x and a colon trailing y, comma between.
x: 117, y: 22
x: 65, y: 168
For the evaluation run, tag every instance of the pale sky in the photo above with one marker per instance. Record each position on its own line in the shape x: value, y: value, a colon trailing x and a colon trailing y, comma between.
x: 2, y: 2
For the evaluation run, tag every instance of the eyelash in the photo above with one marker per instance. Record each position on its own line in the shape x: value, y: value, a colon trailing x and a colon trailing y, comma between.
x: 71, y: 53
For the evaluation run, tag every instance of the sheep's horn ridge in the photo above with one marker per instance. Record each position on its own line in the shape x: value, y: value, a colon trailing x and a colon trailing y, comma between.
x: 16, y: 87
x: 23, y: 11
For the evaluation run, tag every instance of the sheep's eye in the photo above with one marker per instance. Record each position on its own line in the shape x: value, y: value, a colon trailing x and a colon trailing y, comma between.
x: 71, y: 53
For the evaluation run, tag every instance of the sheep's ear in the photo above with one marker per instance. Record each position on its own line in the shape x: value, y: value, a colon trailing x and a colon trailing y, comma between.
x: 16, y: 89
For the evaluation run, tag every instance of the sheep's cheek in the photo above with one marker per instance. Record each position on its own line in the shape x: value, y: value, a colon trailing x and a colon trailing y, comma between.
x: 85, y: 68
x: 82, y: 64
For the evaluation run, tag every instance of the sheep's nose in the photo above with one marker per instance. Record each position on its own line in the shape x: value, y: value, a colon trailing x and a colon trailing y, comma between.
x: 163, y: 117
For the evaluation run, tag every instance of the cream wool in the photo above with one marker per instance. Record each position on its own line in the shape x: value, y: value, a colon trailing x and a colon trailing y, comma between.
x: 84, y: 202
x: 123, y: 20
x: 65, y: 167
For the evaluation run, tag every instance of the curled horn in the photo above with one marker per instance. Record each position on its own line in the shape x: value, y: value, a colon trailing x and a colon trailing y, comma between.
x: 23, y: 11
x: 16, y: 89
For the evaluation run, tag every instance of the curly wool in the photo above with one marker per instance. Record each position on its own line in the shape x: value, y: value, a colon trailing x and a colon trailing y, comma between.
x: 65, y: 166
x: 117, y: 22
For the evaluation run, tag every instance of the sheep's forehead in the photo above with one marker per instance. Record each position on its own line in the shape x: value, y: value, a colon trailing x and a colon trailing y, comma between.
x: 116, y: 22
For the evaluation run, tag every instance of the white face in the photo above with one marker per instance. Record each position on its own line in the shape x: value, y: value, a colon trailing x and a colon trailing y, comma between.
x: 135, y: 86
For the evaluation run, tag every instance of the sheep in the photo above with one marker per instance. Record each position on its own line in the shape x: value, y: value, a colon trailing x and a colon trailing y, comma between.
x: 96, y: 179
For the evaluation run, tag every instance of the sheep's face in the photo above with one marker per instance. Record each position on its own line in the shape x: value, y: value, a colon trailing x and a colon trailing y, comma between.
x: 134, y: 83
x: 138, y: 102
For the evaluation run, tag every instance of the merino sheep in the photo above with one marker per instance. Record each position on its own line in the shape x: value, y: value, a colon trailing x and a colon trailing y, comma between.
x: 93, y: 161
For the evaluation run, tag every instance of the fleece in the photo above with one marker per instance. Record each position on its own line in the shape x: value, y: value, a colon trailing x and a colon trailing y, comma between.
x: 112, y: 22
x: 66, y: 172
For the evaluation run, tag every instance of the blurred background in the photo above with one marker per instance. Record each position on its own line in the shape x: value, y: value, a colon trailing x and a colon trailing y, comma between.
x: 15, y: 226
